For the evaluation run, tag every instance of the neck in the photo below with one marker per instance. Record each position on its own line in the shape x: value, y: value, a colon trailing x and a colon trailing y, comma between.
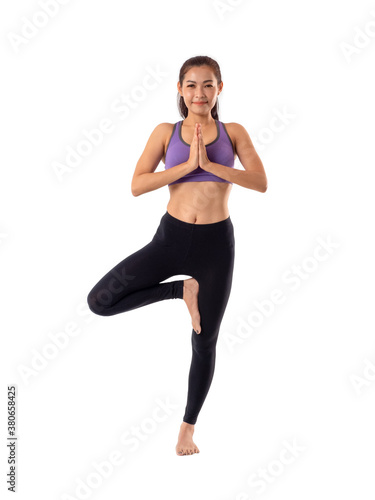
x: 193, y: 118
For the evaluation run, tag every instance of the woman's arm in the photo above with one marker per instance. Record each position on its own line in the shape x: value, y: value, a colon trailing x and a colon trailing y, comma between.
x: 145, y: 178
x: 254, y: 176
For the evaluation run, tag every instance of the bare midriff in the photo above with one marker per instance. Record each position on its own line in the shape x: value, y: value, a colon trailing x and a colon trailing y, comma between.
x: 199, y: 202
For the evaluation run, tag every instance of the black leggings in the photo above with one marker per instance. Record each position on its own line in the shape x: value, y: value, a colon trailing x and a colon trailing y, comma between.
x: 202, y: 251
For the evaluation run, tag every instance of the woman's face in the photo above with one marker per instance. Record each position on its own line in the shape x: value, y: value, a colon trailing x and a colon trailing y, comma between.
x: 200, y: 85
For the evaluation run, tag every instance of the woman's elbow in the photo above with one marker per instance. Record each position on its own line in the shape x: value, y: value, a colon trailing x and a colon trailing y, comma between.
x: 265, y: 185
x: 135, y: 188
x: 134, y: 191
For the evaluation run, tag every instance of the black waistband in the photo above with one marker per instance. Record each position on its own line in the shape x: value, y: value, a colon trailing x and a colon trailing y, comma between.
x: 197, y: 227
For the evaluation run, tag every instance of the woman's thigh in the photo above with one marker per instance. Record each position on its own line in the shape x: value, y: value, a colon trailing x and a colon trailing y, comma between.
x: 155, y: 262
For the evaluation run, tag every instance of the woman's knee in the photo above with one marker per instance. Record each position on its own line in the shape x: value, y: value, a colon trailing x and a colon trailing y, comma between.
x: 204, y: 344
x: 97, y: 306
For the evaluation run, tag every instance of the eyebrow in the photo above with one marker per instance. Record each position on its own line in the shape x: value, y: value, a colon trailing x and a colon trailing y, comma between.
x: 192, y: 81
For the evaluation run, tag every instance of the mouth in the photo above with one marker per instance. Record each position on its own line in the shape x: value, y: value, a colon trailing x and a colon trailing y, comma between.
x: 199, y: 103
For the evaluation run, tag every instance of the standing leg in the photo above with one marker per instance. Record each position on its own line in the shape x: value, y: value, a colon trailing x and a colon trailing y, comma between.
x: 214, y: 291
x: 214, y: 272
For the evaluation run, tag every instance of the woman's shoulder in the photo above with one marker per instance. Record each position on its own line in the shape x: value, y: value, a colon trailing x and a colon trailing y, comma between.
x: 163, y: 133
x: 236, y: 131
x: 235, y: 128
x: 165, y: 126
x: 164, y: 129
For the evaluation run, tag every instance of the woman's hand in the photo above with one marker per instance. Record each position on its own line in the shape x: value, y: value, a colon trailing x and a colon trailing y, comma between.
x: 193, y: 160
x: 203, y: 160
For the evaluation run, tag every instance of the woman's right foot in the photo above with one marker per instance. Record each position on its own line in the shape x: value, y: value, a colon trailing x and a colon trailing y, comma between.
x: 191, y: 289
x: 185, y: 444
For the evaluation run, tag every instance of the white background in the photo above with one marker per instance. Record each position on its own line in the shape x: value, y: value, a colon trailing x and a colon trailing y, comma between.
x: 306, y: 373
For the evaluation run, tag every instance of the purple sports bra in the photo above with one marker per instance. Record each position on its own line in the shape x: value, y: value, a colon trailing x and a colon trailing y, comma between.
x: 221, y: 150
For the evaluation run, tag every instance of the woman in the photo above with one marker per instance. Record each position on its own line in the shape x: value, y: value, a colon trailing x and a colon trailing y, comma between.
x: 195, y: 236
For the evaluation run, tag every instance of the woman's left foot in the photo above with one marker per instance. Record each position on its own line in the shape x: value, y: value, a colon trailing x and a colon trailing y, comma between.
x: 186, y: 445
x: 190, y: 296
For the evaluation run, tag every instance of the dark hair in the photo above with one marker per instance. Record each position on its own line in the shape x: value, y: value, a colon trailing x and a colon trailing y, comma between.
x: 190, y: 63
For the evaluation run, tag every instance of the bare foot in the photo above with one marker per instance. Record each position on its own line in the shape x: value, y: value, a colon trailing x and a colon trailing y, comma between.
x: 191, y: 289
x: 185, y: 444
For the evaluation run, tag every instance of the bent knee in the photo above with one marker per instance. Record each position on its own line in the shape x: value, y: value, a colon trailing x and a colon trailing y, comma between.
x: 96, y: 307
